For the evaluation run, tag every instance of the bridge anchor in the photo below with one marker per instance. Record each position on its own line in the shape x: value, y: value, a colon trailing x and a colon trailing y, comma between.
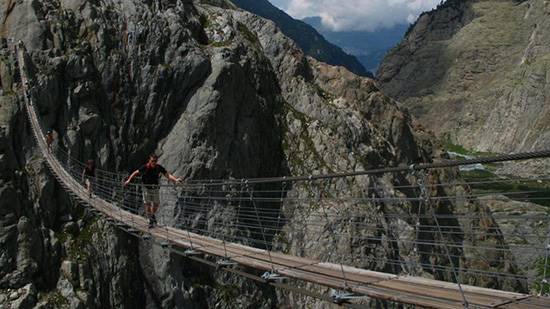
x: 191, y: 252
x: 225, y: 263
x: 341, y: 297
x: 273, y: 277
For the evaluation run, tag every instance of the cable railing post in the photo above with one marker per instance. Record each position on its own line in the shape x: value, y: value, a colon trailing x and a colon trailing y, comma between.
x: 118, y: 182
x: 417, y: 226
x: 133, y: 215
x: 206, y: 210
x: 425, y: 195
x: 281, y: 201
x: 251, y: 197
x: 188, y: 229
x: 166, y: 223
x: 545, y: 282
x: 226, y: 256
x: 239, y: 205
x: 332, y: 231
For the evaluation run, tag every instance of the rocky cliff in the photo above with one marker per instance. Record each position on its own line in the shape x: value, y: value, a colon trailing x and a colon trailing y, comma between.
x: 218, y: 93
x: 477, y: 72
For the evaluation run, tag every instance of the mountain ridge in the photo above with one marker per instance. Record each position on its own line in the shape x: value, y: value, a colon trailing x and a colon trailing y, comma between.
x: 309, y: 40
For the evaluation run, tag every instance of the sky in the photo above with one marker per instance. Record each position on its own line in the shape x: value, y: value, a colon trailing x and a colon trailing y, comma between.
x: 357, y: 15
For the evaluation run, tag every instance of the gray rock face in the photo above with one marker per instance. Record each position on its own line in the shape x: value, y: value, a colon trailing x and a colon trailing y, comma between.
x: 528, y: 228
x: 218, y: 93
x: 476, y: 72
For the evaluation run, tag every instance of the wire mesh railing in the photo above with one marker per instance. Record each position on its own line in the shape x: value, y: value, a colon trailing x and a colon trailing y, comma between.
x: 257, y: 218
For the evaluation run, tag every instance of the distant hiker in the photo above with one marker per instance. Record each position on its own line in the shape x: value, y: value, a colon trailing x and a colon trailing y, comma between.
x: 150, y: 174
x: 88, y: 176
x: 49, y: 139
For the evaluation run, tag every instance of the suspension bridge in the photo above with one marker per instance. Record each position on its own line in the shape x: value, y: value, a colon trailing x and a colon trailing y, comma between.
x: 241, y: 225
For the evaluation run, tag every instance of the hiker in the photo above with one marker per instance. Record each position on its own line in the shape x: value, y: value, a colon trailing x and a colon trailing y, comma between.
x: 49, y: 139
x: 88, y: 176
x: 150, y: 174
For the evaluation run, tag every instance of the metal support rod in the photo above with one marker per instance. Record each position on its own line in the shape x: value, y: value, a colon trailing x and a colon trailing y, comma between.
x: 544, y: 280
x: 251, y: 195
x: 332, y: 232
x: 426, y: 196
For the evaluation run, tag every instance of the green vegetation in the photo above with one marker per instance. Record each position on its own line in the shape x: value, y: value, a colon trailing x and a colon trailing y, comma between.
x: 56, y: 300
x: 478, y: 175
x: 251, y: 37
x: 205, y: 22
x: 77, y: 249
x: 543, y: 268
x: 450, y: 146
x: 322, y: 93
x: 228, y: 292
x: 282, y: 240
x: 537, y: 192
x: 300, y: 159
x: 220, y: 44
x: 457, y: 149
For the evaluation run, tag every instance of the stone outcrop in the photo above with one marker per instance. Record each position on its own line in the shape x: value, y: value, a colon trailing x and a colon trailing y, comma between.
x: 527, y: 228
x: 476, y: 72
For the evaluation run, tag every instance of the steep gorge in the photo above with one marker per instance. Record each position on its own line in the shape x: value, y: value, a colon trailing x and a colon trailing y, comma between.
x: 217, y: 92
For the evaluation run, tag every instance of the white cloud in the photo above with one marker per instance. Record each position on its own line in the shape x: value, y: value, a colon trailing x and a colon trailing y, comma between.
x: 340, y: 15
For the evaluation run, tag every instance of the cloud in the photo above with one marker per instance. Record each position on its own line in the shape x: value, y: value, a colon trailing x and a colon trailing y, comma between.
x: 342, y: 15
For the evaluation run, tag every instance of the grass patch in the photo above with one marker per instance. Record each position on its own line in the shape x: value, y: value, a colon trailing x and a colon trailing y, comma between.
x: 478, y: 175
x: 57, y: 300
x: 220, y: 44
x: 449, y: 146
x: 251, y: 37
x: 542, y: 268
x: 78, y: 249
x: 322, y: 93
x: 228, y: 292
x: 537, y: 192
x: 291, y: 143
x: 205, y: 22
x: 457, y: 149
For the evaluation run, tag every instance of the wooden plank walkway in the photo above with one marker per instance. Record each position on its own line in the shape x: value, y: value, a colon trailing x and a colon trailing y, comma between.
x: 402, y: 289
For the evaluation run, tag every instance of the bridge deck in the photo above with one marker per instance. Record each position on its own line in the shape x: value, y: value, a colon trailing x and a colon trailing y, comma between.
x: 402, y: 289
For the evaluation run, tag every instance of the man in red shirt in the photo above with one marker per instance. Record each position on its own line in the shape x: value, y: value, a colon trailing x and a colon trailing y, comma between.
x: 150, y: 175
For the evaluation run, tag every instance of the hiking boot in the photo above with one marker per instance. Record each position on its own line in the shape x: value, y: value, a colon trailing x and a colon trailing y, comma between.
x: 152, y: 223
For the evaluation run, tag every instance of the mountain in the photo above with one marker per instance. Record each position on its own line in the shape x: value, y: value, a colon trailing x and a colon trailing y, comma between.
x: 368, y: 46
x: 218, y: 93
x: 307, y: 38
x: 476, y: 73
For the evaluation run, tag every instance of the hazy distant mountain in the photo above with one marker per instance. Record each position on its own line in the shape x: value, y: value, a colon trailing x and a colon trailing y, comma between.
x: 309, y: 40
x: 368, y: 47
